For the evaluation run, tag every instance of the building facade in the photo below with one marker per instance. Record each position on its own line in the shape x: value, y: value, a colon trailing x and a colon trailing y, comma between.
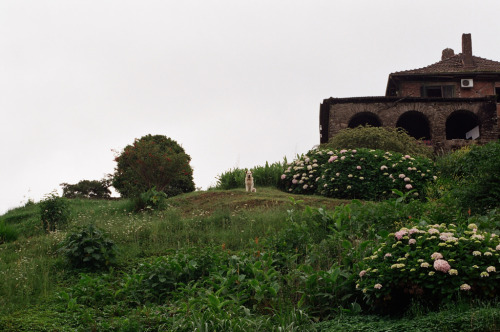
x: 447, y: 104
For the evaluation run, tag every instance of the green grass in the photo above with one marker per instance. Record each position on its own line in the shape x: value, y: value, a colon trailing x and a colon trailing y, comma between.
x: 37, y: 288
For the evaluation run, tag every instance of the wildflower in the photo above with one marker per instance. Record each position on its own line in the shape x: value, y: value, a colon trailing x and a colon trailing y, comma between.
x: 377, y: 286
x: 484, y: 274
x: 476, y: 253
x: 436, y: 255
x: 362, y: 273
x: 408, y: 186
x: 464, y: 287
x: 441, y: 265
x: 491, y: 269
x: 453, y: 272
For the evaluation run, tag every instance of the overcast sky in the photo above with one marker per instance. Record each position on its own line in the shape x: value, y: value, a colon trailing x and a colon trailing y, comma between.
x: 236, y: 83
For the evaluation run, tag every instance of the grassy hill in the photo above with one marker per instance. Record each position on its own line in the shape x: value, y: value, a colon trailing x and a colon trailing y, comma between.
x: 222, y: 260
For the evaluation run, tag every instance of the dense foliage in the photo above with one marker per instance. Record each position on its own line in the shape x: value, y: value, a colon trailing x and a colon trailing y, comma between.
x: 357, y: 173
x: 472, y: 176
x: 54, y: 212
x: 382, y: 138
x: 264, y: 176
x: 96, y: 189
x: 153, y: 162
x: 231, y: 261
x: 89, y: 248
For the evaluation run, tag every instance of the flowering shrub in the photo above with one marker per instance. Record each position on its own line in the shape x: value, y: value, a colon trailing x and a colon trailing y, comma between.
x: 301, y: 175
x: 435, y: 262
x: 362, y: 173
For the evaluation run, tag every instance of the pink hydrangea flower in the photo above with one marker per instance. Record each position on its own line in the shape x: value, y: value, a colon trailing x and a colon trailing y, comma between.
x: 412, y: 241
x: 491, y: 269
x: 354, y: 151
x: 399, y: 235
x: 343, y: 151
x: 377, y: 286
x: 362, y: 273
x: 436, y: 255
x: 358, y: 167
x: 294, y: 181
x: 283, y: 176
x: 388, y: 255
x: 407, y: 157
x: 408, y: 186
x: 441, y: 265
x: 383, y: 167
x: 332, y: 159
x: 402, y: 176
x: 406, y: 179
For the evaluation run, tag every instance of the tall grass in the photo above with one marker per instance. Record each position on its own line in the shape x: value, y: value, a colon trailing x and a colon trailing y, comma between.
x: 268, y: 175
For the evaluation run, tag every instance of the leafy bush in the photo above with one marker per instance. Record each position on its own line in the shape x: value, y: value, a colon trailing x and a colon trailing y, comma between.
x: 434, y: 264
x: 150, y: 200
x: 381, y: 138
x: 153, y: 162
x: 7, y: 232
x: 472, y: 176
x: 89, y: 248
x: 98, y: 189
x: 362, y: 174
x: 54, y: 212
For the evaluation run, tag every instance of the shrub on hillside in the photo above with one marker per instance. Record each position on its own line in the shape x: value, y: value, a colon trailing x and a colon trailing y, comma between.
x: 89, y: 248
x: 383, y: 138
x: 97, y: 189
x: 472, y: 175
x: 7, y: 232
x: 363, y: 174
x: 434, y: 263
x: 153, y: 162
x: 54, y: 212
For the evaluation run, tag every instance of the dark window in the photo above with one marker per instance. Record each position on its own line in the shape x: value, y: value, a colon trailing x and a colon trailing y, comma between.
x: 364, y: 119
x: 438, y: 91
x: 497, y: 92
x: 459, y: 123
x: 415, y: 124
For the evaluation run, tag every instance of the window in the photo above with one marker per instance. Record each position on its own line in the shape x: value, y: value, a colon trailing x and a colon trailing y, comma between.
x: 438, y: 91
x: 497, y: 92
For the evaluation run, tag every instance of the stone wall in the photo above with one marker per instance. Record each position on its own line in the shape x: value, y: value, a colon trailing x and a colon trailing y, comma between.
x: 336, y: 113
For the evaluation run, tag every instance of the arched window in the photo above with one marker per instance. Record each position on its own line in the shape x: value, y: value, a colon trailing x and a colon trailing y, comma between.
x: 459, y: 123
x: 416, y: 124
x: 363, y: 119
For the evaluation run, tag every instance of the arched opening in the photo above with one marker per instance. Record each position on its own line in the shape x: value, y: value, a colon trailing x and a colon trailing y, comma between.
x: 364, y: 119
x: 416, y: 125
x: 459, y: 123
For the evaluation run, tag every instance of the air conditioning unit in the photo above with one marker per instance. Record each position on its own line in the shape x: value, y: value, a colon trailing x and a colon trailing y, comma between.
x: 467, y: 83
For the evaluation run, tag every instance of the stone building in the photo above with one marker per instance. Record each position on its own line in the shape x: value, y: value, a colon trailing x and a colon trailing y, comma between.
x: 446, y: 104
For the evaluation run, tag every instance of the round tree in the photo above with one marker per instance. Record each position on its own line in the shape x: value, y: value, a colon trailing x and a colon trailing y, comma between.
x: 153, y: 161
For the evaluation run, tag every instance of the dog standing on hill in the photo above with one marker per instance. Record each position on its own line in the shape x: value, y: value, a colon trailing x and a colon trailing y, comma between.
x: 249, y: 182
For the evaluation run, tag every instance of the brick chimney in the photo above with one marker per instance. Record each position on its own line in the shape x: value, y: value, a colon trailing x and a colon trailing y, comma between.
x: 467, y: 50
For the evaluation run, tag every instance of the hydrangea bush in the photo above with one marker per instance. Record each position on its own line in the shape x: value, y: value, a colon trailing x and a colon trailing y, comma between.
x: 434, y: 263
x: 362, y: 173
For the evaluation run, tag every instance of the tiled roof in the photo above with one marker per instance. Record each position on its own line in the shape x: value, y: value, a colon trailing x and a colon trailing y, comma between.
x: 455, y: 64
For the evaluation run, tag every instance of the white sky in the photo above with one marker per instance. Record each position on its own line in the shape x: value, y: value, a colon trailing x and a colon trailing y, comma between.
x: 236, y: 83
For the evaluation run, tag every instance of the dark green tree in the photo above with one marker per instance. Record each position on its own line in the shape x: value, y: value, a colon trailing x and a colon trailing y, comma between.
x: 153, y: 161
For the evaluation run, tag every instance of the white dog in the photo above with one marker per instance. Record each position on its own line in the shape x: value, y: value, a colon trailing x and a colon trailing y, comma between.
x: 249, y: 182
